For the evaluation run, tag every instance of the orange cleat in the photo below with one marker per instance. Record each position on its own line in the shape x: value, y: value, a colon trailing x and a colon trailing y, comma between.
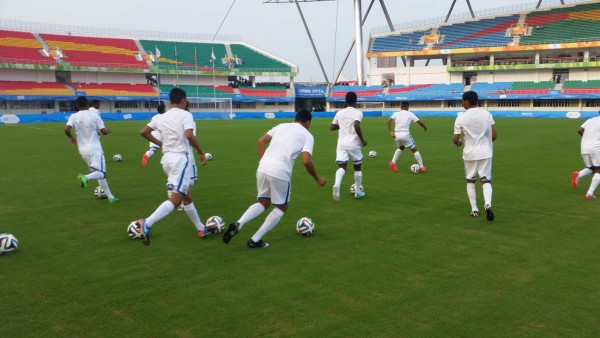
x: 393, y: 166
x: 574, y: 180
x: 422, y: 169
x: 144, y: 159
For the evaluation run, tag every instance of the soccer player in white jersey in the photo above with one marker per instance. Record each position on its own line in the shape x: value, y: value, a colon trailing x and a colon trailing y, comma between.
x: 350, y: 140
x: 161, y: 108
x: 176, y: 128
x: 88, y: 126
x: 95, y: 106
x: 590, y: 152
x: 401, y: 133
x: 479, y: 132
x: 273, y: 178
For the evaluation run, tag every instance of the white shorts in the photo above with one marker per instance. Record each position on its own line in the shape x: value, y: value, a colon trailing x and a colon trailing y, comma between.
x: 405, y: 139
x: 591, y: 160
x: 95, y: 162
x: 342, y: 156
x: 481, y: 168
x: 269, y: 187
x: 179, y: 170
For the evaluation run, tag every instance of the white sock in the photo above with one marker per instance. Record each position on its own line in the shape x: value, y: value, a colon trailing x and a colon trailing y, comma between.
x: 96, y: 175
x: 251, y: 213
x: 584, y: 172
x: 594, y: 184
x: 161, y: 212
x: 472, y: 194
x: 358, y: 179
x: 397, y: 154
x: 149, y: 153
x: 104, y: 185
x: 487, y: 193
x: 339, y: 174
x: 270, y: 222
x: 192, y: 213
x: 418, y: 158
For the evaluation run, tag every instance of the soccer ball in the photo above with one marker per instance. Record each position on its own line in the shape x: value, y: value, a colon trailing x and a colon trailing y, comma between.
x: 134, y: 231
x: 8, y: 243
x: 117, y: 157
x: 353, y: 188
x: 415, y: 168
x: 99, y: 193
x: 215, y: 223
x: 208, y: 156
x: 372, y: 153
x: 305, y: 226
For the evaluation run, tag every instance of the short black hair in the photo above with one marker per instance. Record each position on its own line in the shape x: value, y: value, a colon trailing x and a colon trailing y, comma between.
x: 303, y: 115
x: 404, y: 104
x: 82, y: 103
x: 161, y: 107
x: 94, y: 102
x: 351, y: 98
x: 471, y: 96
x: 176, y: 95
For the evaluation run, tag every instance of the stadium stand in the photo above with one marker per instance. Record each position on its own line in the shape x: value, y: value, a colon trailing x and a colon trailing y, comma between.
x: 523, y: 87
x: 361, y: 91
x: 34, y: 88
x: 402, y: 42
x: 480, y: 33
x: 564, y: 24
x: 255, y: 60
x: 264, y: 91
x: 203, y: 91
x: 22, y: 48
x: 188, y: 54
x: 82, y: 51
x: 115, y: 89
x: 427, y: 89
x: 581, y: 87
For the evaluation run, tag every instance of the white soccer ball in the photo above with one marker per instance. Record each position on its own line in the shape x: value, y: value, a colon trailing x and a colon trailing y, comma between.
x: 134, y: 231
x: 215, y: 223
x: 372, y: 153
x: 305, y: 226
x: 99, y: 193
x: 208, y: 156
x: 8, y: 243
x: 117, y: 157
x: 415, y: 168
x: 353, y: 188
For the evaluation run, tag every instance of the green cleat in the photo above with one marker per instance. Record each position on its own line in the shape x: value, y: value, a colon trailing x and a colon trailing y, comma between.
x: 83, y: 181
x: 112, y: 200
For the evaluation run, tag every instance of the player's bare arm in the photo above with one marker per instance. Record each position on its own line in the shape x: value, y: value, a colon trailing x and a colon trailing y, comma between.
x: 389, y: 122
x: 359, y: 133
x: 146, y: 133
x: 104, y: 131
x: 580, y: 131
x: 334, y: 127
x: 494, y: 134
x: 189, y: 134
x: 456, y: 139
x: 422, y: 125
x: 261, y: 144
x: 310, y: 167
x: 72, y: 139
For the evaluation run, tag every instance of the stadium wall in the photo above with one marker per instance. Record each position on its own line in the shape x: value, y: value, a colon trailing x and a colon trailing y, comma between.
x: 102, y: 77
x: 27, y: 75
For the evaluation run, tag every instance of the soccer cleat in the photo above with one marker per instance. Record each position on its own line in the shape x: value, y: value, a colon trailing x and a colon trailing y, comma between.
x: 204, y: 232
x: 336, y: 193
x: 232, y: 230
x: 145, y: 231
x: 590, y: 197
x: 260, y: 244
x: 574, y: 180
x: 422, y: 169
x: 145, y: 159
x: 83, y: 181
x: 112, y: 200
x: 393, y: 166
x: 489, y: 214
x: 475, y: 213
x: 359, y: 194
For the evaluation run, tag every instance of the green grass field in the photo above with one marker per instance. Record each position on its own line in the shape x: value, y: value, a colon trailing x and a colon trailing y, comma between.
x: 407, y: 260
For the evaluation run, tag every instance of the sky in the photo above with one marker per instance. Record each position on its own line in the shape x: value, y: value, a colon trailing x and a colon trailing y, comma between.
x: 275, y: 28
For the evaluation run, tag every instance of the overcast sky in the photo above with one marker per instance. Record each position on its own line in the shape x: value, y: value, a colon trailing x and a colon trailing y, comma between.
x: 275, y: 28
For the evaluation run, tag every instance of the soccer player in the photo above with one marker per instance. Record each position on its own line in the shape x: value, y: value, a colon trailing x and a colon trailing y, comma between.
x: 176, y: 128
x: 402, y: 120
x: 590, y: 152
x: 350, y: 140
x: 95, y: 106
x: 273, y: 178
x: 161, y: 108
x: 89, y: 126
x: 479, y: 132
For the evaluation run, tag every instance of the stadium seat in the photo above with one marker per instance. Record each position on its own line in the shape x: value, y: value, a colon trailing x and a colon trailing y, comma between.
x: 22, y: 48
x: 34, y: 88
x: 115, y: 89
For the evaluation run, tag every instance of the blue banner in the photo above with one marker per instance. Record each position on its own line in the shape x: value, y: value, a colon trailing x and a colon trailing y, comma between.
x: 310, y: 92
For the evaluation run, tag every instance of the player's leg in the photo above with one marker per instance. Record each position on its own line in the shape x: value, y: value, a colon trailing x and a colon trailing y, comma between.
x: 99, y: 164
x: 341, y: 159
x: 280, y: 197
x: 485, y: 174
x: 470, y: 173
x: 153, y: 148
x: 577, y: 175
x: 357, y: 157
x: 417, y: 156
x: 397, y: 153
x: 595, y: 162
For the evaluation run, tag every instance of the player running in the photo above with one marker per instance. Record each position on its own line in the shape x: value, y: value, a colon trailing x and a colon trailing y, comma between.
x: 402, y: 120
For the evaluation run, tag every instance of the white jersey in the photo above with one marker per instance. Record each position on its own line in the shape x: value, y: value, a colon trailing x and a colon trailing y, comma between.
x: 87, y: 124
x: 476, y: 125
x: 288, y: 141
x: 402, y: 120
x: 92, y: 109
x: 172, y: 126
x: 590, y: 141
x: 347, y: 137
x: 155, y: 133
